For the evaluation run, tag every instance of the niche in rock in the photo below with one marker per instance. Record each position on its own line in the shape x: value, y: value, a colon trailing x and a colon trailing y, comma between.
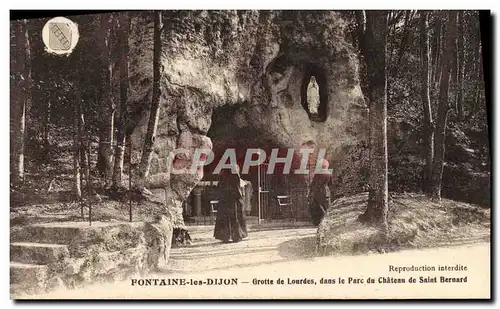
x: 314, y: 94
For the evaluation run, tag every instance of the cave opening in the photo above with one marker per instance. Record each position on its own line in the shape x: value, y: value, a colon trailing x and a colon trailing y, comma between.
x: 226, y: 132
x: 314, y: 94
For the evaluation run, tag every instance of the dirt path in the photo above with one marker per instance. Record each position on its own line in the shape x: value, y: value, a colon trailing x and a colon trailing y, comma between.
x: 289, y: 255
x: 261, y: 247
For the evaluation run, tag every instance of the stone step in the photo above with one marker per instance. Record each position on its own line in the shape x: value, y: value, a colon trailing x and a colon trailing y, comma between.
x: 37, y: 253
x: 71, y: 232
x: 27, y: 278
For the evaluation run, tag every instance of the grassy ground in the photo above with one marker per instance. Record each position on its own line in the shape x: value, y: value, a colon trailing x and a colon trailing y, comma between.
x: 414, y: 222
x: 47, y: 192
x: 103, y: 209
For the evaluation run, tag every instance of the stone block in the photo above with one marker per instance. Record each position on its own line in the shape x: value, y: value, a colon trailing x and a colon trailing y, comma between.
x: 27, y: 278
x: 36, y: 253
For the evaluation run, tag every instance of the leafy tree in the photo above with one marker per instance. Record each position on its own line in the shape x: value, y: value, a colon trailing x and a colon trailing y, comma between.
x: 442, y: 116
x: 376, y: 67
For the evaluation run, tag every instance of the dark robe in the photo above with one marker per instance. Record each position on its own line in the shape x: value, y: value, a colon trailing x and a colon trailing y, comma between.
x: 319, y: 201
x: 230, y: 222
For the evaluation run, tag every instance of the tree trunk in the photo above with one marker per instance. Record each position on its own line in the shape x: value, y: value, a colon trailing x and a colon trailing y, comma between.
x: 426, y: 102
x: 479, y: 81
x: 129, y: 165
x: 439, y: 142
x: 155, y: 102
x: 121, y: 125
x: 376, y: 65
x: 77, y: 191
x: 404, y: 40
x: 107, y: 105
x: 85, y: 153
x: 394, y: 20
x: 461, y: 64
x: 454, y: 74
x: 46, y: 128
x: 360, y: 30
x: 437, y: 50
x: 19, y: 101
x: 105, y: 151
x: 88, y: 175
x: 119, y: 155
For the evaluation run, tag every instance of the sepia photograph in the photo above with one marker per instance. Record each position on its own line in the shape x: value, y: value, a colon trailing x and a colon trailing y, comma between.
x: 250, y: 154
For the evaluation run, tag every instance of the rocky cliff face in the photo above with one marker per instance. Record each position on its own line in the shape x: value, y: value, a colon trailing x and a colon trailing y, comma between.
x: 249, y: 71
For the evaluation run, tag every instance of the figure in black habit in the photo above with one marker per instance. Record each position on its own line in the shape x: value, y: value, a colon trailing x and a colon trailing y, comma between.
x: 319, y: 198
x: 230, y: 223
